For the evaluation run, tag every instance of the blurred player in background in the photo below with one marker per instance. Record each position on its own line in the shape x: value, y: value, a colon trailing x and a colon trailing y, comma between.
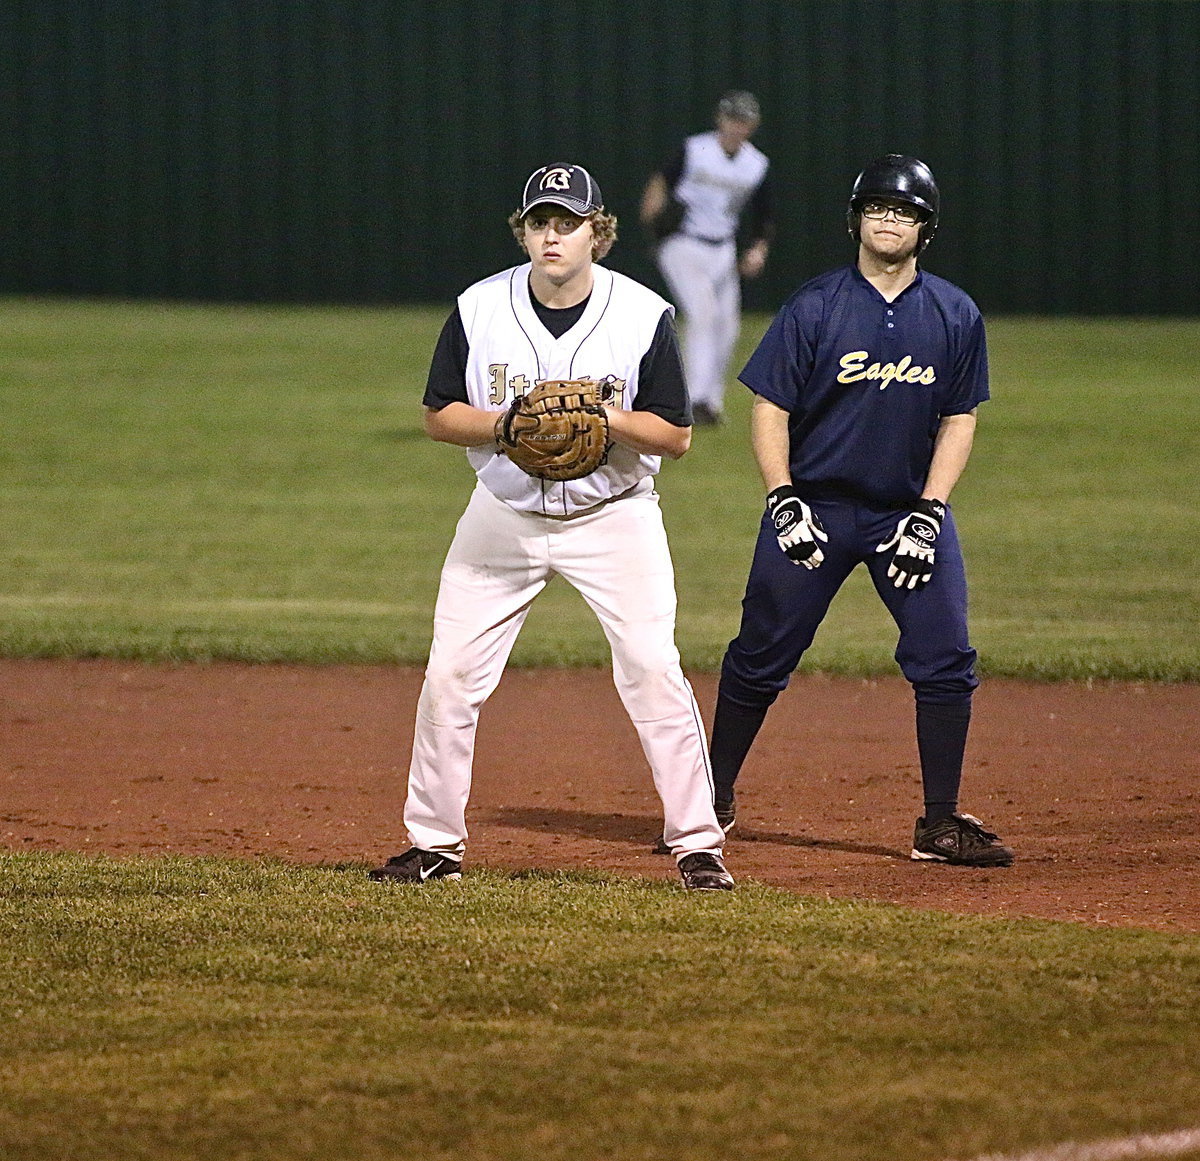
x: 695, y: 206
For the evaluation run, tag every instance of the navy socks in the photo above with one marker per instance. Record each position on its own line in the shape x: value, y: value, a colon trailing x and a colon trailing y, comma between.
x: 734, y: 730
x: 941, y: 743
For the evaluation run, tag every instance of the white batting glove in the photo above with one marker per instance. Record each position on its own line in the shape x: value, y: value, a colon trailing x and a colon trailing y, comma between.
x: 797, y: 527
x: 912, y: 545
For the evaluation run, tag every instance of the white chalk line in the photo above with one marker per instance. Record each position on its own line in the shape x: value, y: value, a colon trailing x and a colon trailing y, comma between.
x: 1115, y: 1149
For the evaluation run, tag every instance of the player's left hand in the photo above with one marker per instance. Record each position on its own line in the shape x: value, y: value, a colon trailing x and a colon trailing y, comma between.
x: 913, y: 545
x: 558, y: 430
x: 752, y: 261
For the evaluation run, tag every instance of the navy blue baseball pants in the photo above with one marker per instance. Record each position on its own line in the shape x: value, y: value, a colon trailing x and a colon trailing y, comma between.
x: 785, y: 604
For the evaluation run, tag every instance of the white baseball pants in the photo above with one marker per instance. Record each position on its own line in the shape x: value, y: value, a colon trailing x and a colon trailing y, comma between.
x: 617, y: 557
x: 704, y: 283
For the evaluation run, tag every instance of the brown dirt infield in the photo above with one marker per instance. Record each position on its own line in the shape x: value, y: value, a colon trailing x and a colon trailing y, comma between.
x: 1094, y: 786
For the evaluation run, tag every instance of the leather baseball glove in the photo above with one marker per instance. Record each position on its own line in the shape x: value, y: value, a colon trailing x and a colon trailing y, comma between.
x: 557, y: 431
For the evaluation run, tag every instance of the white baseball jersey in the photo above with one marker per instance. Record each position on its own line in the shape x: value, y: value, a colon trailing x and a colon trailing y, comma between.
x: 715, y: 187
x: 510, y: 350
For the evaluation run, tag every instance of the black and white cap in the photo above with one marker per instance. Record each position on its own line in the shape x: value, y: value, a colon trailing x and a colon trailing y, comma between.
x: 570, y: 186
x: 739, y: 105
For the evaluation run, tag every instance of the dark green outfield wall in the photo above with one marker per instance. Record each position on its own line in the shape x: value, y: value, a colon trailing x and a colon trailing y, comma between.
x: 361, y: 150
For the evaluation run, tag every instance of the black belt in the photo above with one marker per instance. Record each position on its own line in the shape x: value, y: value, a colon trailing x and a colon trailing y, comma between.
x: 708, y: 241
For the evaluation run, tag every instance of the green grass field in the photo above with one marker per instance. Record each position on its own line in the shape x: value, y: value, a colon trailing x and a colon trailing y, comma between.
x: 189, y: 1009
x: 198, y: 482
x: 182, y: 482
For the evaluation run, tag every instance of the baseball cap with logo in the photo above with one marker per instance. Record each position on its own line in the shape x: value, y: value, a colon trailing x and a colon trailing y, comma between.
x: 570, y: 186
x: 739, y: 105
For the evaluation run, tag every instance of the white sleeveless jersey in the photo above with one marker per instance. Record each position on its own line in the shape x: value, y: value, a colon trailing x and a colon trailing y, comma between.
x: 510, y: 349
x: 714, y: 187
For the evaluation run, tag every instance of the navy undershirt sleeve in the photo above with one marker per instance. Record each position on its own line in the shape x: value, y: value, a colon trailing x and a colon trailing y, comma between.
x: 447, y: 382
x: 662, y: 389
x: 673, y: 170
x: 760, y: 212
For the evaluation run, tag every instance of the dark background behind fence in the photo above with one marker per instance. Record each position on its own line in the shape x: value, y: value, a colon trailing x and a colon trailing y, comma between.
x: 367, y: 151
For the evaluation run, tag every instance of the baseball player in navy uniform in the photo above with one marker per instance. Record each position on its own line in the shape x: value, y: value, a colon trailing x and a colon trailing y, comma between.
x: 560, y: 315
x: 697, y: 203
x: 866, y: 386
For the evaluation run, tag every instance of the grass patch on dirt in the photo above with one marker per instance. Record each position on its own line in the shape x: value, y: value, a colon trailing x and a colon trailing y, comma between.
x: 194, y: 1008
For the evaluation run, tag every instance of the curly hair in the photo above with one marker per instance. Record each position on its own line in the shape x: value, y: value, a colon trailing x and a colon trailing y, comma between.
x: 604, y: 231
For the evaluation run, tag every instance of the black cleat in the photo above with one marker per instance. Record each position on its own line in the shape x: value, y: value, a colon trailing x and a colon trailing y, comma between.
x: 417, y: 866
x: 705, y: 872
x: 726, y: 814
x: 960, y: 840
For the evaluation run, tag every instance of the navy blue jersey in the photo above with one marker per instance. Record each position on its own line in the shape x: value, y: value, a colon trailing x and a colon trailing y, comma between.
x: 867, y: 382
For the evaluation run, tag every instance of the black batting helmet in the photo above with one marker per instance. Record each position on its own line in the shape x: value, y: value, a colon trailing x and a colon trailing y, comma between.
x: 902, y: 179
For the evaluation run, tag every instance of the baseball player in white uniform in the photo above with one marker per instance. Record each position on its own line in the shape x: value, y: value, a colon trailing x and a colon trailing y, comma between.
x: 695, y: 205
x: 557, y: 316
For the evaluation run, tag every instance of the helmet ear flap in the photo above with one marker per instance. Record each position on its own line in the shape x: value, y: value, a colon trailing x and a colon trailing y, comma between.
x: 925, y: 234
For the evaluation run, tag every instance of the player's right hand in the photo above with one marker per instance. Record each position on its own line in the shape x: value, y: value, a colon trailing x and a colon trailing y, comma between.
x: 797, y: 527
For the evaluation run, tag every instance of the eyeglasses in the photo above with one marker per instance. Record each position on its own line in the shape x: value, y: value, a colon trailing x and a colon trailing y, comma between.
x: 905, y: 215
